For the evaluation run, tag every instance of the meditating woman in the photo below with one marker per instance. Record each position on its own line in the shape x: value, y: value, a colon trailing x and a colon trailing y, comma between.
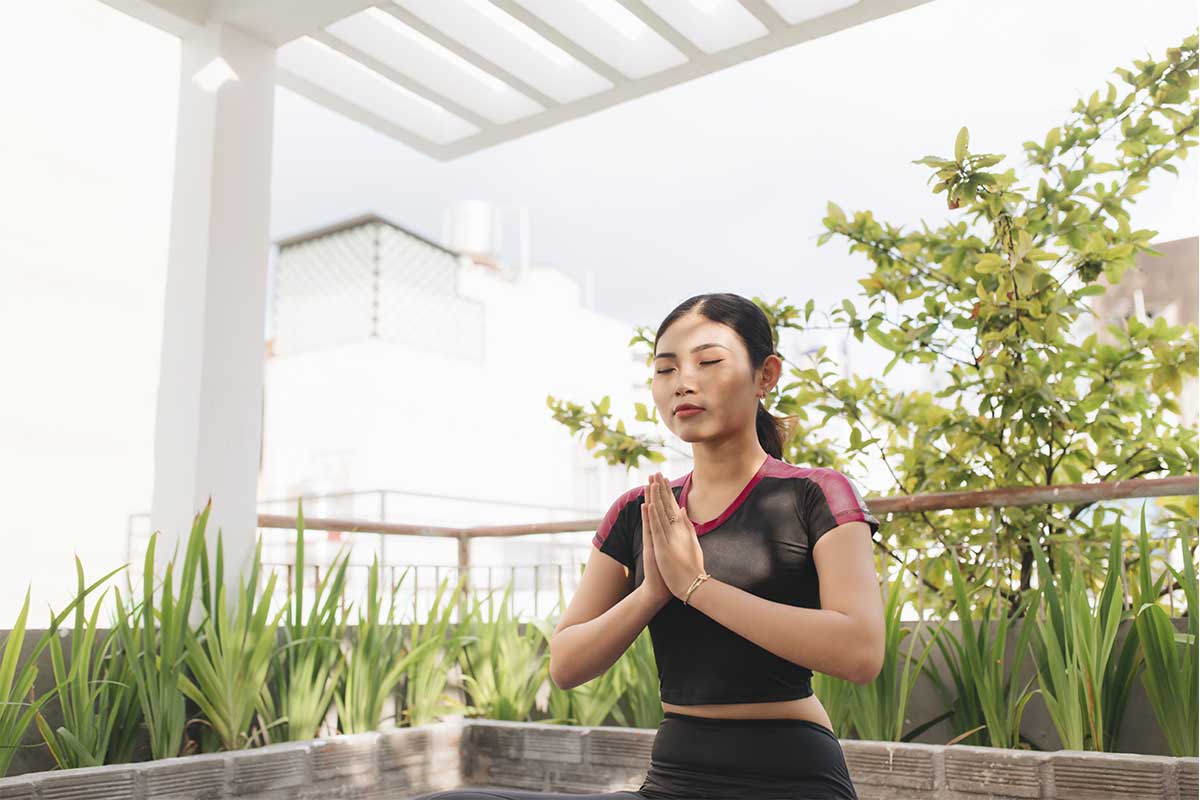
x: 751, y: 572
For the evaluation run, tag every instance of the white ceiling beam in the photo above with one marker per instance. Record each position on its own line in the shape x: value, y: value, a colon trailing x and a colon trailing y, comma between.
x: 663, y: 29
x: 553, y: 35
x: 401, y: 79
x: 179, y: 19
x: 467, y: 54
x: 766, y: 14
x: 582, y: 107
x: 338, y: 104
x: 281, y: 21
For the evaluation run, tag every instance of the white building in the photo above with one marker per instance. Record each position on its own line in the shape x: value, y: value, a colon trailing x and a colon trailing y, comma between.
x: 411, y: 381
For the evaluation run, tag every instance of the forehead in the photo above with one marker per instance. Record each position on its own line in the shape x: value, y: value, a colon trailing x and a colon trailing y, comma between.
x: 693, y: 329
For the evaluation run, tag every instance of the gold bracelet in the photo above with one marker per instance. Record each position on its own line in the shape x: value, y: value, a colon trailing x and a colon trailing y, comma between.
x: 701, y: 578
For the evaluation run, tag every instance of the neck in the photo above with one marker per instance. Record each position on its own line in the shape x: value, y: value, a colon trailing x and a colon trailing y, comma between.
x: 725, y: 465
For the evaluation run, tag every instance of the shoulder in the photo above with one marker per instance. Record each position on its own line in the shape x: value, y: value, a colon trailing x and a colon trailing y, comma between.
x: 834, y: 486
x: 616, y: 510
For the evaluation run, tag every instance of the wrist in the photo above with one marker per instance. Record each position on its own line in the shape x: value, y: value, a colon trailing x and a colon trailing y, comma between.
x: 681, y: 591
x: 694, y: 587
x: 651, y: 596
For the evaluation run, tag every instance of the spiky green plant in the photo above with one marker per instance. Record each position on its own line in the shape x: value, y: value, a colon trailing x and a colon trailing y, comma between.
x: 154, y: 634
x: 986, y: 698
x: 92, y: 702
x: 376, y: 660
x: 434, y: 655
x: 1082, y: 677
x: 17, y: 677
x: 503, y: 668
x: 1171, y: 673
x: 229, y: 659
x: 305, y: 672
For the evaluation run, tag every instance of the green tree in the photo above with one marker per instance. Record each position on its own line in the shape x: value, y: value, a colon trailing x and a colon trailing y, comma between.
x: 990, y: 299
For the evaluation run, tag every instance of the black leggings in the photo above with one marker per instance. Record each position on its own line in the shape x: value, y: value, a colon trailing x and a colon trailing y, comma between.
x: 694, y: 758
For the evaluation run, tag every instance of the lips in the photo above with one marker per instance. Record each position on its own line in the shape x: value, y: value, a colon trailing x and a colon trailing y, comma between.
x: 686, y: 408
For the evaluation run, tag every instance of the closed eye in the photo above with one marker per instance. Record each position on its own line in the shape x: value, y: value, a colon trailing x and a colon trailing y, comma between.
x: 702, y: 363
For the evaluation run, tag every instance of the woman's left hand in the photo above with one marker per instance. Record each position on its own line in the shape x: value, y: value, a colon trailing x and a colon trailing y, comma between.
x: 676, y: 546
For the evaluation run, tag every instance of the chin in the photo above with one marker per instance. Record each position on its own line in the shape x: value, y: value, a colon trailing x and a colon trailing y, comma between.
x: 688, y: 436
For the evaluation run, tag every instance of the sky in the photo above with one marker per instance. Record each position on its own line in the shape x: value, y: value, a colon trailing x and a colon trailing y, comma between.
x: 717, y: 184
x: 720, y: 183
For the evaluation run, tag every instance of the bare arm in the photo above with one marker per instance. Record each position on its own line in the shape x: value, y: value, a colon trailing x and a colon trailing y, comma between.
x: 601, y: 621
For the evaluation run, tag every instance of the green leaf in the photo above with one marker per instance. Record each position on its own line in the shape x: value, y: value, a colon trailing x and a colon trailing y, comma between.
x: 960, y: 145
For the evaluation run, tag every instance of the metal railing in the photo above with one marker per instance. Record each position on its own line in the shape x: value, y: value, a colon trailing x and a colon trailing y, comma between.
x: 1078, y: 493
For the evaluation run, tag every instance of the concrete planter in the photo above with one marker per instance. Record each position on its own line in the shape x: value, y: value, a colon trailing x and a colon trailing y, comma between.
x: 396, y: 763
x: 404, y: 762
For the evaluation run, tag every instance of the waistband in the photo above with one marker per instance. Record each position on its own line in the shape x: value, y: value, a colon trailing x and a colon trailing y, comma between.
x: 756, y: 722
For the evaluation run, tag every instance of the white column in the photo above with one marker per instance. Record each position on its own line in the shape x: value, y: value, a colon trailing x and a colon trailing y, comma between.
x: 209, y: 417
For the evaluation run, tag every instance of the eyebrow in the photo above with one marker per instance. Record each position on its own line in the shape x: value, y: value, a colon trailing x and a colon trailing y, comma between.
x: 694, y: 349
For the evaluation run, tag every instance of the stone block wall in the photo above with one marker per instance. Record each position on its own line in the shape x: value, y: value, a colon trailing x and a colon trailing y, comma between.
x: 385, y: 765
x: 402, y: 763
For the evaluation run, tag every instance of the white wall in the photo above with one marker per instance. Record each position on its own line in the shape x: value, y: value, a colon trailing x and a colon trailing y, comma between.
x: 87, y: 131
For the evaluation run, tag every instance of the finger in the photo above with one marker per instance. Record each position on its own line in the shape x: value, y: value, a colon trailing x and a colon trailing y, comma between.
x: 648, y: 519
x: 661, y: 519
x: 648, y: 508
x: 666, y: 499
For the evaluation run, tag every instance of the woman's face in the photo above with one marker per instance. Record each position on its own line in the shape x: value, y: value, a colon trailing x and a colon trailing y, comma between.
x: 704, y: 363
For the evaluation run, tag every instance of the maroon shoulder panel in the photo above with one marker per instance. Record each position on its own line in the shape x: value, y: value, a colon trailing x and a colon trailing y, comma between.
x: 840, y: 493
x: 842, y: 496
x: 614, y: 510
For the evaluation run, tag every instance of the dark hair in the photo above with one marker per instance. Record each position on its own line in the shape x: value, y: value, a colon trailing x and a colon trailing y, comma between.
x: 751, y: 324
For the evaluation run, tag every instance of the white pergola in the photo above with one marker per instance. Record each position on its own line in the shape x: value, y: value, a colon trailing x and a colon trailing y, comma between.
x: 446, y: 77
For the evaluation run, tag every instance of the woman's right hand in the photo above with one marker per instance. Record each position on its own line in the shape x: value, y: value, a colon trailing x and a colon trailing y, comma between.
x: 652, y: 582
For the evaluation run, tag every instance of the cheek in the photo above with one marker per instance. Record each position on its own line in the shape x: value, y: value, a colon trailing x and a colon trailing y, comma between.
x: 662, y: 401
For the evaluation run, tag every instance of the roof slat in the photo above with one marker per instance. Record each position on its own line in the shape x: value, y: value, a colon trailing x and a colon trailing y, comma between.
x: 400, y: 79
x: 467, y: 54
x: 663, y: 28
x: 552, y: 34
x: 363, y: 116
x: 765, y: 14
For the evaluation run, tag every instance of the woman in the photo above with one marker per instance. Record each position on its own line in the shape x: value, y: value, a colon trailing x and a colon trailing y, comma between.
x: 750, y: 572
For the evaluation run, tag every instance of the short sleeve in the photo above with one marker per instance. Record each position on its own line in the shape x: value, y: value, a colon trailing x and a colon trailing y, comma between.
x: 613, y: 535
x: 830, y: 499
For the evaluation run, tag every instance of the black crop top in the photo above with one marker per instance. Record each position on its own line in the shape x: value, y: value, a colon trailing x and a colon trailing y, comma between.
x: 761, y: 544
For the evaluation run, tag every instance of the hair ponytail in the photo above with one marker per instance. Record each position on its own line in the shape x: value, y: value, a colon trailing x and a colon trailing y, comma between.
x: 773, y: 431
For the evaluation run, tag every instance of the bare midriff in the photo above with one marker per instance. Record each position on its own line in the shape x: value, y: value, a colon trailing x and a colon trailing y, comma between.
x: 808, y: 708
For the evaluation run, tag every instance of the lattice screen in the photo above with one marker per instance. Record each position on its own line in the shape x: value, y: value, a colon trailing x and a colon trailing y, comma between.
x: 372, y: 279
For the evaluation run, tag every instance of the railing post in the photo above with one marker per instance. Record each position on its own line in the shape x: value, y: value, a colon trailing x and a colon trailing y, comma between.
x: 920, y: 586
x: 382, y: 518
x: 464, y: 573
x: 883, y: 568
